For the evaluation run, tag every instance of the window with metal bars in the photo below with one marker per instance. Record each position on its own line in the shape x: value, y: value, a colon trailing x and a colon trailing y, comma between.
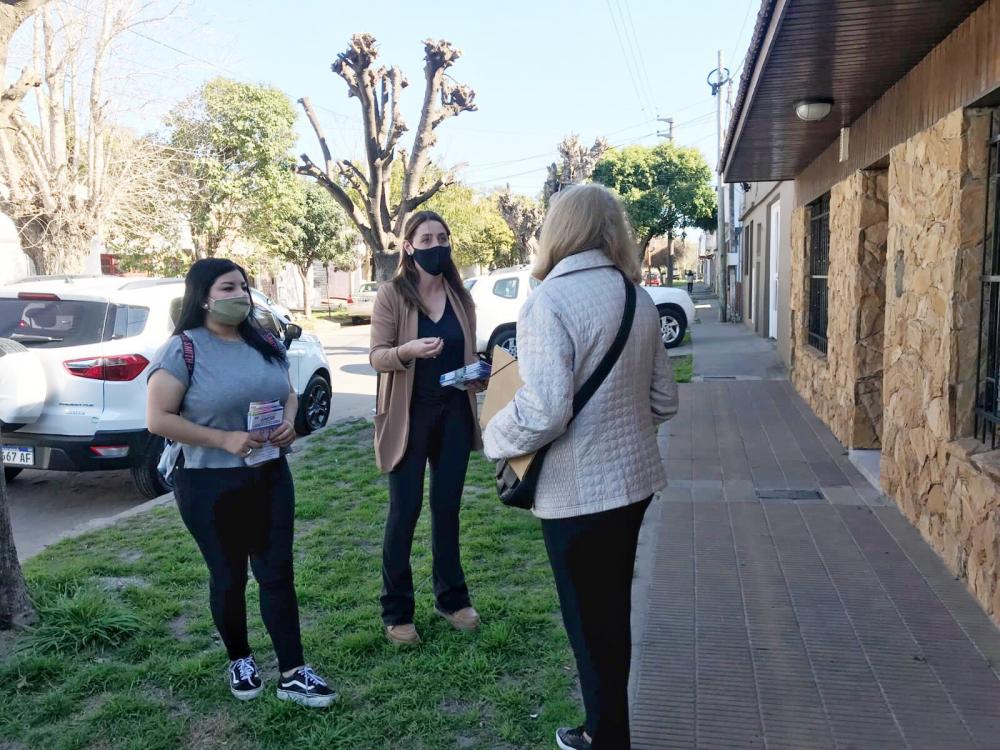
x: 819, y: 266
x: 988, y: 361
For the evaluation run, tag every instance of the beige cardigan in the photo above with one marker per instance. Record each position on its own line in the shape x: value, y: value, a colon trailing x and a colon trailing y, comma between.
x: 394, y: 323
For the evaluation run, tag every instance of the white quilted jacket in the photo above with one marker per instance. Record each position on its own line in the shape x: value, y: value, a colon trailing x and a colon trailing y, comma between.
x: 608, y: 457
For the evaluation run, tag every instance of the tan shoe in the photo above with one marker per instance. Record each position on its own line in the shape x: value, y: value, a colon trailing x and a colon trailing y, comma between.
x: 464, y: 619
x: 402, y: 635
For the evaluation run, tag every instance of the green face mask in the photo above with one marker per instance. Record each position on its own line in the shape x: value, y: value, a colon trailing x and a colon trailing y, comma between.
x: 230, y: 311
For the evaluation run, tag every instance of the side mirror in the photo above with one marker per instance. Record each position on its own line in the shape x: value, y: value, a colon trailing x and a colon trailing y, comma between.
x: 292, y: 332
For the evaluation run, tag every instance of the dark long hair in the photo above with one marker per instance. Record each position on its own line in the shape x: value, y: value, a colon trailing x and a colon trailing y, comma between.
x: 407, y: 278
x: 197, y: 285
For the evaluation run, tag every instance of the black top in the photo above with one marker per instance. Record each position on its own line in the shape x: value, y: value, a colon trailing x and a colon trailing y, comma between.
x: 427, y: 378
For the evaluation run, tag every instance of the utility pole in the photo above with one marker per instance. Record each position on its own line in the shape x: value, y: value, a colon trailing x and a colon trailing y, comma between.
x: 721, y: 270
x: 669, y: 133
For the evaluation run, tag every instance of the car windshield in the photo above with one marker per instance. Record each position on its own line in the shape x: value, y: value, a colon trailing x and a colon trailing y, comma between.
x: 369, y: 287
x: 46, y: 323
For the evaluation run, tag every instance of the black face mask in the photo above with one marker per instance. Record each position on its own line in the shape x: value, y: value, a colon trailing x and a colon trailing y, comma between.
x: 433, y: 259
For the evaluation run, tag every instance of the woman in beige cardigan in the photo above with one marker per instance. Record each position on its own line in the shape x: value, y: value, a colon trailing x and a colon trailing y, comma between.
x: 423, y: 325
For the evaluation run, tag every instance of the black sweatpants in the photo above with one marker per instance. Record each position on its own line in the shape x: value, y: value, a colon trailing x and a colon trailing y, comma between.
x: 440, y: 433
x: 593, y: 558
x: 244, y: 514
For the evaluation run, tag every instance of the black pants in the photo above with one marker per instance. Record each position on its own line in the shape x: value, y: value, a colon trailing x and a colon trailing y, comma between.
x: 593, y: 558
x: 690, y: 287
x: 441, y: 434
x: 240, y: 514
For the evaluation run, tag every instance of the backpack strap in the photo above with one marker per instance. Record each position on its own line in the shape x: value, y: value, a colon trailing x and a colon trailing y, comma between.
x: 187, y: 351
x: 278, y: 346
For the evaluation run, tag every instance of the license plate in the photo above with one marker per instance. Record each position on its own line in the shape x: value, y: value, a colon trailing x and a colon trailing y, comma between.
x: 14, y: 456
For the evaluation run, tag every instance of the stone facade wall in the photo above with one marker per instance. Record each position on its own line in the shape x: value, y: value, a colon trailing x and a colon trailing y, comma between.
x: 944, y: 480
x: 844, y: 386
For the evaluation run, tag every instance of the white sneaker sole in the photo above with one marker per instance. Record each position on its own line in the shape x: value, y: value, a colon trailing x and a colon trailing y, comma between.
x: 313, y: 701
x: 246, y: 695
x: 562, y: 745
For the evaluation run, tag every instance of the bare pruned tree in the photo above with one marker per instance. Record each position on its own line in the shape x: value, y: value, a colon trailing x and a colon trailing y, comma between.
x: 364, y: 192
x: 524, y: 217
x: 576, y: 164
x: 15, y: 606
x: 72, y: 171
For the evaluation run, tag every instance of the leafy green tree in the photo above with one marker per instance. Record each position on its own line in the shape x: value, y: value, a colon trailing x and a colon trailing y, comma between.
x: 479, y: 233
x: 665, y: 189
x: 320, y: 231
x: 232, y: 144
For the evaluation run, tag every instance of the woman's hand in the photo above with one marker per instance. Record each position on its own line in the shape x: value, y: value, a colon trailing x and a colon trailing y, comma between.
x: 283, y: 435
x: 421, y: 348
x: 241, y: 443
x: 477, y: 386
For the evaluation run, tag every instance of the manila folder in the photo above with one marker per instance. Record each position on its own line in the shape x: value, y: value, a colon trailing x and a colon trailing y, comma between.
x: 504, y: 383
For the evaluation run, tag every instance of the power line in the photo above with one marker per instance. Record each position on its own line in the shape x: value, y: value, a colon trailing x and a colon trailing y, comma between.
x: 539, y: 169
x: 743, y: 27
x: 637, y: 52
x: 625, y: 57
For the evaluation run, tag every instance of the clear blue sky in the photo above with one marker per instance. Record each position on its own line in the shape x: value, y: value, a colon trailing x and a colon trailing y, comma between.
x: 541, y: 69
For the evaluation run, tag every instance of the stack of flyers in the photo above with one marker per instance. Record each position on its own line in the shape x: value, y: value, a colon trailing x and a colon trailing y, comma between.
x: 463, y: 375
x: 263, y: 418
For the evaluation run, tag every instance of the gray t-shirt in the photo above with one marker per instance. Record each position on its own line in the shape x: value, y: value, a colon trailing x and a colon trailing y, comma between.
x: 228, y: 376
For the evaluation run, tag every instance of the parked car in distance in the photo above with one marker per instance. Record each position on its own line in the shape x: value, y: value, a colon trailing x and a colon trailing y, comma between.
x: 499, y: 296
x: 91, y: 341
x: 361, y: 304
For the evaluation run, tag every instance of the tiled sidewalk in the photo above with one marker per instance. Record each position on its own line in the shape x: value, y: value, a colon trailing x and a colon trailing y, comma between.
x: 789, y: 605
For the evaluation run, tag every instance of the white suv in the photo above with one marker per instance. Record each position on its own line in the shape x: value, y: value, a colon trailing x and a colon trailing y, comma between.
x: 90, y: 341
x: 499, y: 297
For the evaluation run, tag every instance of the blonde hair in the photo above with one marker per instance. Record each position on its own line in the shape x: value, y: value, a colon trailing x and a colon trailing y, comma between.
x: 587, y: 217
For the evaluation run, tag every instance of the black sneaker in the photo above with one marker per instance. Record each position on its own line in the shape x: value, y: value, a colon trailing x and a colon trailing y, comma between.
x: 244, y: 679
x: 572, y: 739
x: 306, y: 687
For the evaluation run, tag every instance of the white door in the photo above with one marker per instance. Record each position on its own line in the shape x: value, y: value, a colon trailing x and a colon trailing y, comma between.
x: 772, y: 326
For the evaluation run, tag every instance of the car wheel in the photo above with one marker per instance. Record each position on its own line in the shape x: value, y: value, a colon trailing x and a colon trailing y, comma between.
x: 506, y: 340
x: 9, y: 472
x: 146, y: 475
x: 673, y: 325
x: 314, y: 406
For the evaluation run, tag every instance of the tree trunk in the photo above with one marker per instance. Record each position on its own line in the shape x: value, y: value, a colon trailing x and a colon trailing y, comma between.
x: 15, y: 607
x: 670, y: 258
x: 306, y: 298
x: 384, y: 265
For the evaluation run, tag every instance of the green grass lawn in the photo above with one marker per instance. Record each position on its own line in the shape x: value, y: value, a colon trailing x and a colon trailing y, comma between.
x: 683, y: 368
x: 125, y: 654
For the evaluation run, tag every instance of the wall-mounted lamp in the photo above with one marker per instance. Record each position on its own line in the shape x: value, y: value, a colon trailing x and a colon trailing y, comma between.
x: 813, y: 110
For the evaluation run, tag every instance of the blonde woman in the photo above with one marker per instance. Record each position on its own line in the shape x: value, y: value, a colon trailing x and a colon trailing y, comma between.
x: 601, y: 470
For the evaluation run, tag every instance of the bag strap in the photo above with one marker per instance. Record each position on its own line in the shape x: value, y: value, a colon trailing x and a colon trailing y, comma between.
x: 187, y: 351
x: 589, y: 388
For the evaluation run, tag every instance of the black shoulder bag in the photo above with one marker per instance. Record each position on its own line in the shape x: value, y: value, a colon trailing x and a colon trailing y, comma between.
x: 520, y: 493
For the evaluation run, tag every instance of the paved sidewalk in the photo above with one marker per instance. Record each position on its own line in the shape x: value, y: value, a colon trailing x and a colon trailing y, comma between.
x: 785, y: 603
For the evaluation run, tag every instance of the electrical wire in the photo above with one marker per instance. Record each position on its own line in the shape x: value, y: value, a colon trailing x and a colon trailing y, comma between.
x: 625, y: 57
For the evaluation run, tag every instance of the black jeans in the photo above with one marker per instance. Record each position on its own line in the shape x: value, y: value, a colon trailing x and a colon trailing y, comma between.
x: 440, y: 433
x: 690, y: 287
x: 593, y: 558
x: 240, y: 514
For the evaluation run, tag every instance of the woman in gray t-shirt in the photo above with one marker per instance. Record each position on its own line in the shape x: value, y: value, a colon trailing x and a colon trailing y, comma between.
x: 201, y: 387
